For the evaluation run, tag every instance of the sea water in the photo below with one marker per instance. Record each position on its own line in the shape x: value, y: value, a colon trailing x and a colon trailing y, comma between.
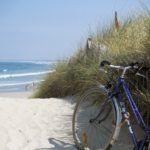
x: 16, y: 76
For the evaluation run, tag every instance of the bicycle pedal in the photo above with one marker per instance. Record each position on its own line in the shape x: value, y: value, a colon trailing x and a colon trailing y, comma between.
x: 127, y: 115
x: 125, y: 119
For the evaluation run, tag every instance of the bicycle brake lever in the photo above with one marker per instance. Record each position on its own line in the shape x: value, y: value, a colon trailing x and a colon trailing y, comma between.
x: 141, y: 75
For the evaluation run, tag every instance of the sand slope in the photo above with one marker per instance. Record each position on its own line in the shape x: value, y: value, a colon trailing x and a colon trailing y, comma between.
x: 35, y: 124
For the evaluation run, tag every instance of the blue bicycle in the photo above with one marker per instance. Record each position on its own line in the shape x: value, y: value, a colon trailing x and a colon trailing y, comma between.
x: 101, y: 111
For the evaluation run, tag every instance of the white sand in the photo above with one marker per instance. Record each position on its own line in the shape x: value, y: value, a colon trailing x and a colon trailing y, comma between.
x: 35, y: 124
x: 41, y: 124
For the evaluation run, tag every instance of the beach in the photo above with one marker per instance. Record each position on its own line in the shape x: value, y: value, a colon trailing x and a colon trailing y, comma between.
x: 42, y: 124
x: 35, y: 124
x: 28, y: 123
x: 24, y: 94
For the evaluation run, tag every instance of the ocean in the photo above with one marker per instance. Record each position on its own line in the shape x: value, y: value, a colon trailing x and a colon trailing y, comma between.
x: 22, y: 76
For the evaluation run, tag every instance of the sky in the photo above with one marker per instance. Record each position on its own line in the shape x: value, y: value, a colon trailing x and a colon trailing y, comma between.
x: 53, y: 29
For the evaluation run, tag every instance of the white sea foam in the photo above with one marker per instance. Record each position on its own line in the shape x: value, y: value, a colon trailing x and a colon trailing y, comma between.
x: 39, y: 62
x: 21, y: 83
x: 4, y: 70
x: 23, y: 74
x: 42, y: 62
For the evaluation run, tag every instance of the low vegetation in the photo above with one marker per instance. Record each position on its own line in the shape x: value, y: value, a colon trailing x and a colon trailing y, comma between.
x: 129, y: 43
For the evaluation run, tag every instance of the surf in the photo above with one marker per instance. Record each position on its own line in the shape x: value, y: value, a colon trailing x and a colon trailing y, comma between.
x: 6, y: 76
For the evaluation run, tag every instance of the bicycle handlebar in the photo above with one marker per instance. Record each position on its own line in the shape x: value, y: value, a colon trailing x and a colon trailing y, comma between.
x: 131, y: 65
x: 135, y: 66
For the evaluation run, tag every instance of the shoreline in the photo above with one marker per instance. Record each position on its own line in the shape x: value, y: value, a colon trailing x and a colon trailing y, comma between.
x: 25, y: 94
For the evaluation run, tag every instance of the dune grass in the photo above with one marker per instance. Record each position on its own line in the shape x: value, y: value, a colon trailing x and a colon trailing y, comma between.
x: 131, y: 43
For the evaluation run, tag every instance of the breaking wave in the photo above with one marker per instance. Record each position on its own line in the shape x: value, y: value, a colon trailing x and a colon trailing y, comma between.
x: 5, y: 76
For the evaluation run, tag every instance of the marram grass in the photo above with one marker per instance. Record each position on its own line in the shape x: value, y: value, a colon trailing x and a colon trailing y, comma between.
x: 131, y: 43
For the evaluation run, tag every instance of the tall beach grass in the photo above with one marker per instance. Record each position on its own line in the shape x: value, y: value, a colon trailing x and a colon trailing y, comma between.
x: 131, y: 43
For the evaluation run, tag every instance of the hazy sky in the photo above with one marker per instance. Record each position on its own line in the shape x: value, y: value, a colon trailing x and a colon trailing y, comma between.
x: 53, y: 29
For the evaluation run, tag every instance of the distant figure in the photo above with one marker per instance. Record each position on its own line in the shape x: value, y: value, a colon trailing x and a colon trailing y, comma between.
x: 27, y: 87
x: 33, y: 85
x: 30, y: 86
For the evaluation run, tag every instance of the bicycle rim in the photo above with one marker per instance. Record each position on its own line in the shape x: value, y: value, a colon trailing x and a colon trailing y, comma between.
x: 95, y: 136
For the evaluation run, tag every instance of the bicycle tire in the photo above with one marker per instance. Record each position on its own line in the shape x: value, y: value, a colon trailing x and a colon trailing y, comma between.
x: 78, y: 137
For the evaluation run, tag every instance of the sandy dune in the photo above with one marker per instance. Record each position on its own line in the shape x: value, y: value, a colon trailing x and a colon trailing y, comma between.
x: 35, y: 124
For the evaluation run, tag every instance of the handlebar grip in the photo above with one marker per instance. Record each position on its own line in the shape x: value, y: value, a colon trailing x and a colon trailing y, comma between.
x: 104, y: 62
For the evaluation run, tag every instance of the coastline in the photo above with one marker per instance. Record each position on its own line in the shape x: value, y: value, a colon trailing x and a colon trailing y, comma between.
x: 25, y: 94
x: 22, y: 76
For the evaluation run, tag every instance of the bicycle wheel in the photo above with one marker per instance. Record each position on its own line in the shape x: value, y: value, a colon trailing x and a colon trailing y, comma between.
x: 95, y: 125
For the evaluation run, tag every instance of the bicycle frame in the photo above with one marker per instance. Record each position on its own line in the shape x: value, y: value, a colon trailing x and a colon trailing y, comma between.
x: 122, y: 83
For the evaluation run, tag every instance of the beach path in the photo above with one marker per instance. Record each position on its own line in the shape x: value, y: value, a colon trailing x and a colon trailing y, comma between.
x: 35, y: 124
